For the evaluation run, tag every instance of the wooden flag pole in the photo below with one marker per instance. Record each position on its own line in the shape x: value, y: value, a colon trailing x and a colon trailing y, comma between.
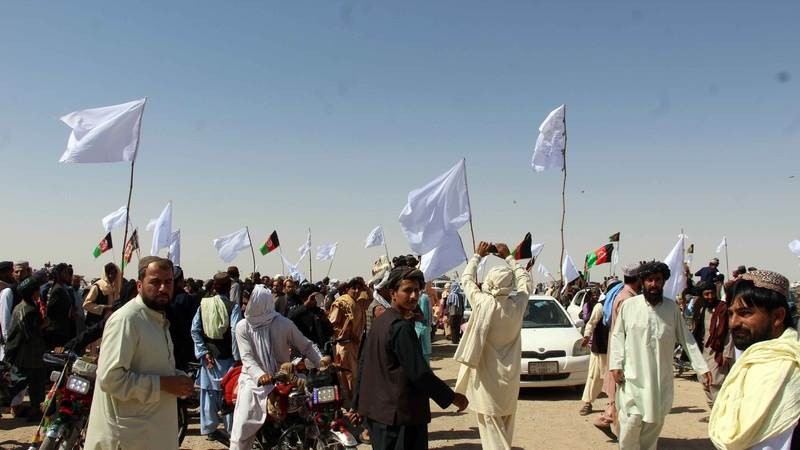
x: 385, y: 247
x: 310, y: 272
x: 563, y: 200
x: 283, y: 267
x: 469, y: 205
x: 727, y: 267
x: 130, y: 188
x: 327, y: 274
x: 252, y: 252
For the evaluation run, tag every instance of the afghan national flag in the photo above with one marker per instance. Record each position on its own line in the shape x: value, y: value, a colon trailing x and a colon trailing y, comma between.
x: 271, y: 244
x: 130, y: 246
x: 523, y: 250
x: 614, y: 237
x: 104, y: 246
x: 600, y: 256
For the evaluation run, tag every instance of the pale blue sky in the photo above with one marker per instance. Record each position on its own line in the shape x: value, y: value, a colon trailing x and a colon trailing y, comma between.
x: 325, y: 114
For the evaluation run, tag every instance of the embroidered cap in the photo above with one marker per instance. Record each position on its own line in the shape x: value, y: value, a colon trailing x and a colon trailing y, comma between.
x: 769, y: 280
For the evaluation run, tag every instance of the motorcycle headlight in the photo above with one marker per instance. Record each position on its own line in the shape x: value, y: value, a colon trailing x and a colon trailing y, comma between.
x: 78, y: 384
x: 579, y: 350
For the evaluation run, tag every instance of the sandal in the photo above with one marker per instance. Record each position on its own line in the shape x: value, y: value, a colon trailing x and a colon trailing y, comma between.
x: 587, y: 408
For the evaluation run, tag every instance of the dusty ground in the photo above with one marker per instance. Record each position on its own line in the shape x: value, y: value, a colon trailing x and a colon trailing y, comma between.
x: 546, y: 419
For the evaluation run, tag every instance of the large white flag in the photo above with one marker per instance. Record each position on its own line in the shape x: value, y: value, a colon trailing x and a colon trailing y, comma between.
x: 549, y: 151
x: 326, y: 252
x: 162, y: 230
x: 722, y: 245
x: 676, y: 283
x: 436, y: 209
x: 116, y: 219
x: 794, y: 247
x: 175, y: 247
x: 294, y: 272
x: 228, y: 246
x: 449, y: 254
x: 305, y: 248
x: 568, y: 270
x: 375, y: 237
x: 107, y: 134
x: 543, y: 270
x: 536, y: 249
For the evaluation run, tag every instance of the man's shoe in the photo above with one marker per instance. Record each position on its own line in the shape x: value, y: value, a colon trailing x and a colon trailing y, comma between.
x: 586, y: 410
x: 607, y: 431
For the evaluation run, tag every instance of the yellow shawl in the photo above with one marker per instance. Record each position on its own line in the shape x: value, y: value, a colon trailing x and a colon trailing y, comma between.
x: 215, y: 317
x: 760, y: 398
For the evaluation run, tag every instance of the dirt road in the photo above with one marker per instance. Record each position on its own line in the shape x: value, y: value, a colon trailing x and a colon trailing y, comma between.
x: 546, y: 419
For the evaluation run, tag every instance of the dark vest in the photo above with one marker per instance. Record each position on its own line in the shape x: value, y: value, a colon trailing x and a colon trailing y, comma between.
x: 600, y: 338
x: 385, y: 393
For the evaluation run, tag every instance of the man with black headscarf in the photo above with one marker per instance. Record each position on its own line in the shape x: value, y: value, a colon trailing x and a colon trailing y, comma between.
x: 640, y: 358
x: 395, y: 383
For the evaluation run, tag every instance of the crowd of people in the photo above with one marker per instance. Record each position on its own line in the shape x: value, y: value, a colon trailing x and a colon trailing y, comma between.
x: 738, y: 334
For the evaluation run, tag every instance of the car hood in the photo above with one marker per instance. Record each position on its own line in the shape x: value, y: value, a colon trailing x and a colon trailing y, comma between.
x: 534, y: 339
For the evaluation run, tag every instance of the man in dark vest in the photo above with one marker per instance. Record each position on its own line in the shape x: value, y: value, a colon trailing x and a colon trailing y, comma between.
x: 395, y: 384
x: 595, y: 335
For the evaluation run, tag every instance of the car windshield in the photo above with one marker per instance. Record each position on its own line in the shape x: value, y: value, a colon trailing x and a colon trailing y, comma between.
x: 545, y: 314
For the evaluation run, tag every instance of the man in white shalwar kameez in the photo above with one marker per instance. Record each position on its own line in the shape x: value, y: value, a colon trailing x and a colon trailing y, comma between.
x: 491, y: 349
x: 640, y: 360
x: 265, y: 339
x: 135, y: 398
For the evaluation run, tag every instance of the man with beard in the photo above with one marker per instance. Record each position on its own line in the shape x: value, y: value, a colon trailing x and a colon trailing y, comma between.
x: 710, y: 331
x: 758, y: 406
x: 310, y: 318
x: 135, y: 396
x: 640, y: 360
x: 215, y: 347
x: 292, y: 299
x: 279, y: 296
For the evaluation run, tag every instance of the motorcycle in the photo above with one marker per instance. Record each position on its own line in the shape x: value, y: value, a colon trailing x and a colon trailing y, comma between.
x: 333, y: 430
x: 184, y: 404
x: 67, y: 408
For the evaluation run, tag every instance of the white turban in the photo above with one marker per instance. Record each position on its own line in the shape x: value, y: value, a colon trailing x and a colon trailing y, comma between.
x: 499, y: 281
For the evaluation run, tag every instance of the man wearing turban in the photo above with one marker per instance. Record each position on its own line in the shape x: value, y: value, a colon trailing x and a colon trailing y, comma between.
x: 490, y: 351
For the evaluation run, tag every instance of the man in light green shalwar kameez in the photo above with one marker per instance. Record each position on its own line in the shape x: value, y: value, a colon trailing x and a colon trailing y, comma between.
x: 640, y: 359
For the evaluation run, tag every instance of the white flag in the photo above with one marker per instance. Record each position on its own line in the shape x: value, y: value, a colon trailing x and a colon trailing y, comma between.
x: 549, y: 151
x: 543, y: 270
x: 175, y: 247
x: 229, y: 245
x: 375, y: 237
x: 722, y: 245
x: 107, y: 134
x: 116, y: 219
x: 293, y: 271
x: 151, y: 225
x: 568, y: 270
x: 436, y: 209
x: 449, y: 254
x: 305, y: 248
x: 162, y: 231
x: 794, y: 247
x: 325, y: 252
x: 536, y: 249
x: 676, y: 282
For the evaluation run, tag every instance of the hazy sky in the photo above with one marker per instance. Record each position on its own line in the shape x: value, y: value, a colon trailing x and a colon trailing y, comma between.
x: 289, y: 115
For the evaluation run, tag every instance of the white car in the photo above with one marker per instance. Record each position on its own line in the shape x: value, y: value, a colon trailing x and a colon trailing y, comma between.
x: 576, y: 305
x: 552, y: 354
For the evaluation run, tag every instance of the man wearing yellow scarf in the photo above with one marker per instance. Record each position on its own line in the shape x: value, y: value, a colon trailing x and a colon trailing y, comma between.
x: 758, y: 406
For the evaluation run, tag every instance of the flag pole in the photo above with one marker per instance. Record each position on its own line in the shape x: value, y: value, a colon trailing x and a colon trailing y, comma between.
x: 727, y: 267
x: 386, y: 247
x: 330, y: 265
x: 283, y: 268
x: 130, y: 187
x: 469, y: 205
x: 310, y: 273
x: 252, y: 252
x: 563, y: 199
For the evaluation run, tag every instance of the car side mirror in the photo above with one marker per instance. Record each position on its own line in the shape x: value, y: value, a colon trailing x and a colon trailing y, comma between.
x: 579, y: 323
